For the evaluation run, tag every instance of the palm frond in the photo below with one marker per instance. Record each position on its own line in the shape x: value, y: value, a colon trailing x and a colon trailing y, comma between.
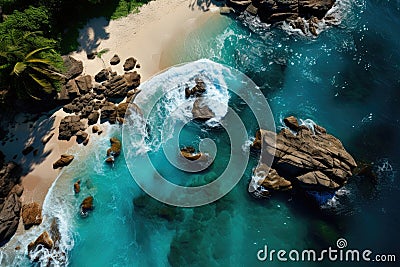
x: 19, y: 68
x: 44, y: 83
x: 36, y: 51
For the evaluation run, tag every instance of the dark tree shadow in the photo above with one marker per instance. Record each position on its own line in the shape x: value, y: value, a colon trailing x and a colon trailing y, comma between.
x: 27, y: 130
x: 91, y: 37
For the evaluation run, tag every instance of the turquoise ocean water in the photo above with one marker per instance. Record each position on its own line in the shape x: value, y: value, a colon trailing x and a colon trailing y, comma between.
x: 347, y: 80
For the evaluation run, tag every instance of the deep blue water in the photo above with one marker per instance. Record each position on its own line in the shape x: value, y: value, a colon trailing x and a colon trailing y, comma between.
x: 347, y: 80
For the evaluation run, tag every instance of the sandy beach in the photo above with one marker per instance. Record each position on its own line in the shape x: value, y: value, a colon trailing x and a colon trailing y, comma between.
x: 143, y: 35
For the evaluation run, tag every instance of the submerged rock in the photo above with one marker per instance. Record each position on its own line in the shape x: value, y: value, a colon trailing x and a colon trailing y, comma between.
x: 31, y: 215
x: 64, y: 160
x: 310, y: 159
x: 115, y: 148
x: 198, y: 90
x: 44, y: 240
x: 86, y: 206
x: 77, y: 187
x: 190, y: 153
x: 129, y: 64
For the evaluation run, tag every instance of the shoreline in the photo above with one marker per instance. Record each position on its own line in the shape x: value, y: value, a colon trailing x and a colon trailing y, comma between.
x: 143, y: 35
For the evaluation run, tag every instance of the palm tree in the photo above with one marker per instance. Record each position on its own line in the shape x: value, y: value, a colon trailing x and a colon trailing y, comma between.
x: 28, y: 72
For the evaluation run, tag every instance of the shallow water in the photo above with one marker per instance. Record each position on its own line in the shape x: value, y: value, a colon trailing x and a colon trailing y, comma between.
x: 346, y: 80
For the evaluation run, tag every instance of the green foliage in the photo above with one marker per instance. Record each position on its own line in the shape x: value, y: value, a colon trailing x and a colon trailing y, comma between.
x: 102, y: 52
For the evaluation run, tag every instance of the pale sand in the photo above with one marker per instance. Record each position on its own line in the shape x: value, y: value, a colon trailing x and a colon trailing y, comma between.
x: 143, y: 35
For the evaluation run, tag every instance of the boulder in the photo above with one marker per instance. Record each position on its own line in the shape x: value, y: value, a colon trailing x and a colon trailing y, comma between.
x: 64, y: 160
x: 292, y: 123
x: 74, y: 67
x: 108, y: 113
x: 129, y: 64
x: 310, y: 159
x: 9, y: 217
x: 31, y: 215
x: 115, y: 148
x: 43, y: 240
x: 77, y: 187
x: 84, y: 83
x: 201, y: 111
x: 95, y: 128
x: 132, y: 79
x: 69, y: 91
x: 10, y: 174
x: 69, y: 126
x: 93, y: 117
x: 115, y: 60
x: 102, y: 76
x: 197, y: 90
x: 86, y: 206
x: 190, y: 153
x: 91, y: 55
x: 81, y: 136
x: 116, y: 87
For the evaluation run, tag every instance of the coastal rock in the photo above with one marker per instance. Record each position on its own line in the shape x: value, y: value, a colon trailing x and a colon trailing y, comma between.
x: 102, y: 76
x: 93, y: 117
x: 84, y: 83
x: 9, y: 217
x: 201, y: 111
x: 64, y: 160
x: 129, y: 64
x: 298, y: 13
x: 95, y: 128
x: 69, y: 126
x: 310, y: 159
x: 77, y: 187
x: 74, y: 67
x: 197, y: 90
x: 292, y: 123
x: 116, y: 87
x: 115, y: 60
x: 69, y: 91
x: 43, y: 240
x: 10, y: 174
x: 86, y: 206
x: 132, y: 79
x: 108, y: 113
x: 91, y: 55
x: 31, y: 215
x: 81, y: 136
x: 190, y: 153
x: 115, y: 148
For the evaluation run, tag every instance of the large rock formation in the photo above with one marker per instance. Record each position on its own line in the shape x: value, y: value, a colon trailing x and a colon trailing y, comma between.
x: 69, y: 126
x: 201, y: 111
x: 43, y: 240
x: 31, y: 215
x: 64, y: 160
x: 302, y: 14
x: 310, y: 159
x: 10, y: 204
x: 74, y: 67
x: 86, y: 206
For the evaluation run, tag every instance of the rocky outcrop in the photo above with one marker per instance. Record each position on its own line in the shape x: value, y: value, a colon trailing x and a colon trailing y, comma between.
x: 10, y: 204
x: 197, y: 90
x: 69, y: 126
x: 77, y: 187
x: 190, y: 153
x: 116, y: 87
x: 102, y: 76
x: 9, y: 217
x: 309, y: 158
x: 115, y: 60
x: 93, y: 117
x: 64, y: 160
x: 302, y: 14
x: 74, y: 67
x: 84, y: 84
x: 43, y: 240
x: 69, y: 91
x: 108, y: 113
x: 86, y: 206
x: 115, y: 148
x: 31, y: 215
x: 132, y: 79
x: 129, y: 64
x: 201, y: 111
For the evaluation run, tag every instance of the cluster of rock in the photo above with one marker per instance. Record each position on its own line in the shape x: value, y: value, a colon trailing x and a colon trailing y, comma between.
x: 10, y: 203
x: 304, y: 158
x: 301, y: 14
x: 190, y: 153
x: 114, y: 150
x: 93, y: 100
x: 200, y: 110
